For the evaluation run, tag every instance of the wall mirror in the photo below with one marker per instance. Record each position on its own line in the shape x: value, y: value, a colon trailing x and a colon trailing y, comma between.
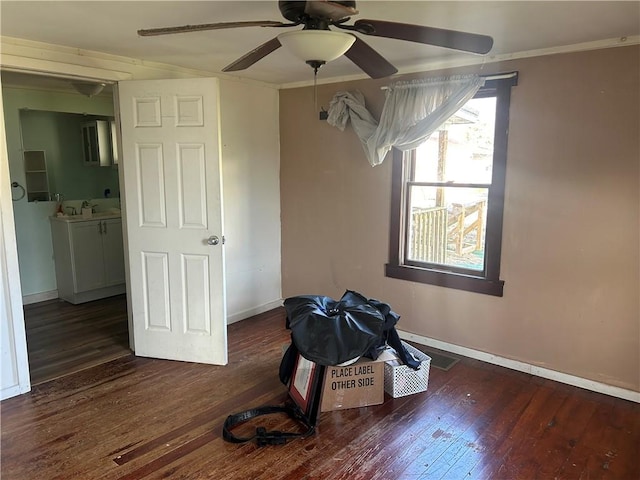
x: 69, y: 154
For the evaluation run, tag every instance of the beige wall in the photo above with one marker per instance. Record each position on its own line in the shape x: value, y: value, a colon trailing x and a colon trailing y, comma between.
x: 251, y: 197
x: 571, y: 236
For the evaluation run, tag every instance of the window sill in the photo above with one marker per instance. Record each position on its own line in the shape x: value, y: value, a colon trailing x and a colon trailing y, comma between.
x: 445, y: 279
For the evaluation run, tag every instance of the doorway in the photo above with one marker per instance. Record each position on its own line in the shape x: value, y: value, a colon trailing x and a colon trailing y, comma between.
x: 61, y: 337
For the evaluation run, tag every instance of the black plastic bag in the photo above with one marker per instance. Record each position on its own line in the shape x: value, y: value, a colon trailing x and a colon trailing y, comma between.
x: 330, y: 332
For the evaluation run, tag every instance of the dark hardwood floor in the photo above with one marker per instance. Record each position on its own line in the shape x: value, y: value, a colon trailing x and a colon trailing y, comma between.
x: 63, y: 338
x: 140, y: 418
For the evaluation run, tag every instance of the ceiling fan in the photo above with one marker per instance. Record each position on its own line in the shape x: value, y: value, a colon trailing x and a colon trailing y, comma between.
x: 317, y: 44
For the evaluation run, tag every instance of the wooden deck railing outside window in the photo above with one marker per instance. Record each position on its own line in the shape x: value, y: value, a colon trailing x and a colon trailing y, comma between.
x: 432, y: 229
x: 428, y: 240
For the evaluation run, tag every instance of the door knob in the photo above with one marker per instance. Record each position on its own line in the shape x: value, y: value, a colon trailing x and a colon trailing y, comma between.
x: 213, y: 240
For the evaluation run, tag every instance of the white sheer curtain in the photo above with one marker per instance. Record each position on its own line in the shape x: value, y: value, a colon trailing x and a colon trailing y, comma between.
x: 412, y: 112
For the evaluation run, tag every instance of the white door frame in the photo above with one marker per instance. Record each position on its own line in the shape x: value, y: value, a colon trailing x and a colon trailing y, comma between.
x: 15, y: 361
x: 11, y: 305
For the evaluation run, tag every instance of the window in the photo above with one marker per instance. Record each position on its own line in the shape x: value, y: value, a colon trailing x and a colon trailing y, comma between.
x: 448, y: 196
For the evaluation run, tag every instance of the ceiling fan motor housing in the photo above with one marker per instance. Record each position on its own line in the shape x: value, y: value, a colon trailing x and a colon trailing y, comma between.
x: 294, y: 11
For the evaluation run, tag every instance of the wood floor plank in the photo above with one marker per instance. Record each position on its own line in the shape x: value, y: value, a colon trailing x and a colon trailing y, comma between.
x: 141, y: 418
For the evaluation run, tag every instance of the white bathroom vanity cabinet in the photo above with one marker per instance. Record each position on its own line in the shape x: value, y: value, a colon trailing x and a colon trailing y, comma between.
x: 89, y: 257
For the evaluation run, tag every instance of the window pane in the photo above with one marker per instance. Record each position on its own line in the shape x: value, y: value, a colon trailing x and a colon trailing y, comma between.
x: 462, y: 150
x: 446, y: 226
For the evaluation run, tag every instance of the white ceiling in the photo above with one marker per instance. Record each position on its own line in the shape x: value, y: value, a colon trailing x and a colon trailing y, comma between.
x: 110, y: 27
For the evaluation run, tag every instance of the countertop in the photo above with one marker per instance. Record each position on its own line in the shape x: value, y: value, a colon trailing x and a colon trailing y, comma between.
x: 80, y: 218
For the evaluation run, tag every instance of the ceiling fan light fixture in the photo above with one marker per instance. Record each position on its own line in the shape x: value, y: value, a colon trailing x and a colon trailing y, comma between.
x: 316, y: 45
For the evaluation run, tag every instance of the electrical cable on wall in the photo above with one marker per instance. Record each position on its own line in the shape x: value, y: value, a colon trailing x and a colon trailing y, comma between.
x: 22, y: 194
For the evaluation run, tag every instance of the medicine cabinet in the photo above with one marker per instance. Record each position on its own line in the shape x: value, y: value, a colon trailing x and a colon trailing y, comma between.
x: 97, y: 142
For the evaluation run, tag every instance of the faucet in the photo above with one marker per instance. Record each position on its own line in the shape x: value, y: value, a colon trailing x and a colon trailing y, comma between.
x: 86, y: 204
x: 73, y: 210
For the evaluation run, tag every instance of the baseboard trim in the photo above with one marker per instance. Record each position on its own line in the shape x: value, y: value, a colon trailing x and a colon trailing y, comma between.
x: 39, y: 297
x: 573, y: 380
x: 250, y: 312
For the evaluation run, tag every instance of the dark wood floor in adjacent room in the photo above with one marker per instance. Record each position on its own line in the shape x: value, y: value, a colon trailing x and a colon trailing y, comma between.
x: 139, y: 418
x: 63, y: 338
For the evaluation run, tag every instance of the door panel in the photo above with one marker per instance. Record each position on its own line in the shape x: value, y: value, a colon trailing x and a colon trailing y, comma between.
x: 171, y: 161
x: 196, y: 286
x: 151, y: 194
x: 192, y: 195
x: 155, y: 286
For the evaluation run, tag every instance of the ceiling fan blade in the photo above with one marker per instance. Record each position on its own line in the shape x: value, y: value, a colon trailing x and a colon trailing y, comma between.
x: 253, y: 56
x: 207, y: 26
x: 468, y: 42
x: 369, y: 60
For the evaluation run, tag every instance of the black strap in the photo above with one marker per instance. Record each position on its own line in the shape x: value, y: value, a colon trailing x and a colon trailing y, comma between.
x: 262, y: 436
x: 394, y: 342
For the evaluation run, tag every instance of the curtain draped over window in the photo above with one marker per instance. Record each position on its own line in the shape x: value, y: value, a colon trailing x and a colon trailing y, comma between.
x: 412, y: 112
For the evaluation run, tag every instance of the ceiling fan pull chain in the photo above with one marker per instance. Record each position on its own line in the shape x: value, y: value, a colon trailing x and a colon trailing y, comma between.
x: 315, y: 90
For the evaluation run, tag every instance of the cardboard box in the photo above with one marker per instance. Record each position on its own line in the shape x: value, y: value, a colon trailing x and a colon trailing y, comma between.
x: 358, y: 385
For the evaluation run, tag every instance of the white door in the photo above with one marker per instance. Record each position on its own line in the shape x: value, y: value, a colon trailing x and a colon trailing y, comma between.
x: 173, y: 211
